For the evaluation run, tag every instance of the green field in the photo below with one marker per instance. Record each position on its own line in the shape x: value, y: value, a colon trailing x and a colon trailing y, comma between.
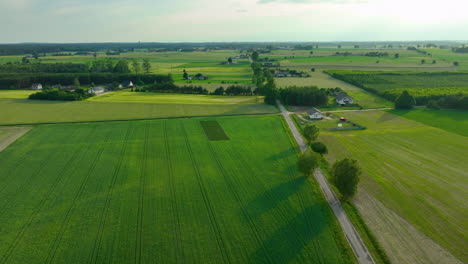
x: 416, y: 170
x: 455, y: 121
x: 158, y: 191
x: 128, y: 106
x: 15, y: 94
x: 125, y: 96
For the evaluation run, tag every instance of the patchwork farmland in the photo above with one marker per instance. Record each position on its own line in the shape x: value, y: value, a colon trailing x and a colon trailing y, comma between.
x: 412, y: 191
x: 158, y: 191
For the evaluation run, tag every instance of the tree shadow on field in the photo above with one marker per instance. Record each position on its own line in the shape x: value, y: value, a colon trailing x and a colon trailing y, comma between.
x: 281, y: 155
x: 288, y: 241
x: 271, y: 198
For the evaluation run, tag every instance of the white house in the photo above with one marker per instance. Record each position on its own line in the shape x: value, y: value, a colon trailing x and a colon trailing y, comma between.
x: 343, y: 99
x: 36, y: 86
x: 126, y: 84
x: 315, y: 114
x: 96, y: 90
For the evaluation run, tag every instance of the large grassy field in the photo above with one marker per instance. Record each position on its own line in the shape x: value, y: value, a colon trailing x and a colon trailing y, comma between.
x: 126, y: 106
x: 163, y: 98
x: 158, y: 191
x: 455, y: 121
x: 415, y: 170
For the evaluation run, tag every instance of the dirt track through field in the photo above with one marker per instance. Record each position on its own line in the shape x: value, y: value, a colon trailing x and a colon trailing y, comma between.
x: 398, y: 237
x: 16, y: 132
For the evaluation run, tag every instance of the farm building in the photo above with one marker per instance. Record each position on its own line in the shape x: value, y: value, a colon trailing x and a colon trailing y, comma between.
x: 36, y: 86
x: 96, y: 90
x: 126, y: 84
x: 315, y: 114
x: 343, y: 99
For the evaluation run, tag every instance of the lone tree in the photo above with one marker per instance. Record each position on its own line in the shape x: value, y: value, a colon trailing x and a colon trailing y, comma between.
x: 76, y: 82
x: 185, y: 76
x: 397, y: 55
x: 255, y: 56
x: 345, y: 176
x: 146, y: 66
x: 311, y: 133
x: 230, y: 60
x: 405, y: 101
x: 307, y: 162
x: 423, y: 61
x: 455, y: 63
x: 136, y: 67
x: 319, y: 147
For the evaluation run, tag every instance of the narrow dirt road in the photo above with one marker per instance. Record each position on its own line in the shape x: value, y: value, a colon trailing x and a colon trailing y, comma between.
x: 359, y: 249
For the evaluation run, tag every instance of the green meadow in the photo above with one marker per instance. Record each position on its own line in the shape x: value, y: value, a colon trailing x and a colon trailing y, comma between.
x: 158, y: 191
x: 124, y: 105
x: 416, y: 170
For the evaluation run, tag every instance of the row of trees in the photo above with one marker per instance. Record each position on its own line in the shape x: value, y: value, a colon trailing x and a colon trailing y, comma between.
x: 99, y: 65
x: 303, y: 96
x: 14, y: 81
x: 458, y: 101
x: 344, y: 173
x: 60, y: 95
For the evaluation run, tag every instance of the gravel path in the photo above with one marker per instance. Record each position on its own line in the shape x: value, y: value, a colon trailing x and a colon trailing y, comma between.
x: 359, y: 249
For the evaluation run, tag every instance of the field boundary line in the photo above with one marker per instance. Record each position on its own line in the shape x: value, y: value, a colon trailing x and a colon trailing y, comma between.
x: 230, y: 184
x: 135, y: 119
x: 174, y: 207
x: 41, y: 203
x: 359, y: 248
x: 98, y: 239
x: 141, y: 193
x: 12, y: 197
x: 209, y: 207
x: 58, y: 239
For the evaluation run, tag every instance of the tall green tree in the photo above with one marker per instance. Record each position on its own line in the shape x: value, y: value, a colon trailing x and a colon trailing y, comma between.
x: 319, y: 147
x: 76, y: 82
x: 136, y: 66
x: 121, y: 67
x: 345, y: 176
x: 311, y: 132
x: 308, y: 161
x: 405, y: 101
x: 255, y: 56
x: 185, y: 75
x: 146, y: 66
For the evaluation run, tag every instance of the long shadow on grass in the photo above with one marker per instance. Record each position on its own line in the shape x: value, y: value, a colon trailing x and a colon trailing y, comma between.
x: 281, y: 155
x: 292, y: 240
x: 271, y: 198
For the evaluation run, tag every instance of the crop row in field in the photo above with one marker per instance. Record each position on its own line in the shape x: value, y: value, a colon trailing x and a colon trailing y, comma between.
x: 417, y: 172
x: 159, y: 191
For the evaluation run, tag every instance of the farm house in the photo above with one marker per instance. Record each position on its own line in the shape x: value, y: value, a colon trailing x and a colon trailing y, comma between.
x: 36, y: 86
x: 315, y: 114
x: 343, y: 99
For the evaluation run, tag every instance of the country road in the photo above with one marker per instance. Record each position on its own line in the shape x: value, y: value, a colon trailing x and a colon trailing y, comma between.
x: 359, y: 249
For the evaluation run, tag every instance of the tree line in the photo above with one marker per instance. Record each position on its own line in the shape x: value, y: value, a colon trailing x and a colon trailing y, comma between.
x: 303, y: 96
x: 24, y: 81
x: 61, y: 95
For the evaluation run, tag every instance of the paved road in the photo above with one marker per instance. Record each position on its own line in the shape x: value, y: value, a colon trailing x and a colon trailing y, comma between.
x: 359, y: 110
x: 359, y: 249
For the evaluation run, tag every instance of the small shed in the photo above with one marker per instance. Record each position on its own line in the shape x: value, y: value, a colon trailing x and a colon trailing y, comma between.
x: 315, y: 114
x: 36, y: 86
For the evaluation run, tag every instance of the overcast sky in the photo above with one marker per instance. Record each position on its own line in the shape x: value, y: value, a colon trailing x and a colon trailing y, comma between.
x: 231, y: 20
